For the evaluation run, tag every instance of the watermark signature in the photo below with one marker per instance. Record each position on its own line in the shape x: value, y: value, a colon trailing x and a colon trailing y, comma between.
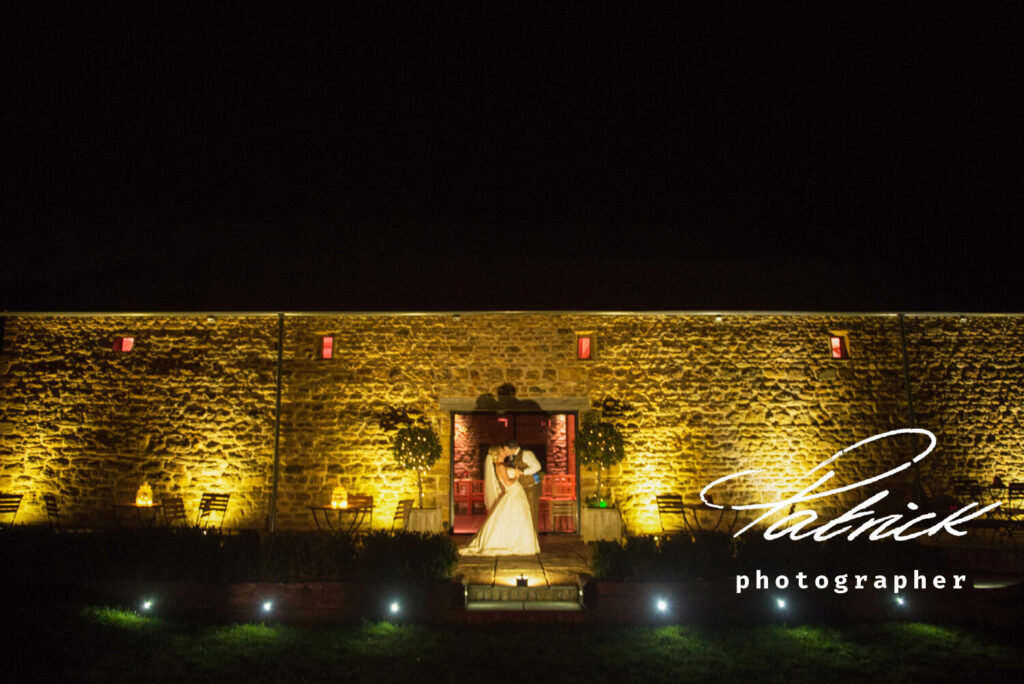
x: 852, y: 521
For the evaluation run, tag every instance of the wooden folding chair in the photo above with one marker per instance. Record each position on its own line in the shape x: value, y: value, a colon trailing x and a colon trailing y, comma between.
x: 1013, y: 512
x: 174, y: 512
x: 401, y: 514
x: 209, y: 506
x: 562, y: 510
x: 670, y: 508
x: 9, y: 504
x: 52, y: 510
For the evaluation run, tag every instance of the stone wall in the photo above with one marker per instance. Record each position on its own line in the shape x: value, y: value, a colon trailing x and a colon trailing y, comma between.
x: 191, y: 408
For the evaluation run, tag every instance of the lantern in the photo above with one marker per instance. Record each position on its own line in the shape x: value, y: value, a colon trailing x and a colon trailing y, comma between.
x: 144, y: 497
x: 339, y: 497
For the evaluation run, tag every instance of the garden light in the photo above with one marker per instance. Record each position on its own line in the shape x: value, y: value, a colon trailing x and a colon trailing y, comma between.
x: 780, y: 603
x: 267, y: 606
x: 662, y: 605
x: 899, y: 600
x: 395, y: 607
x: 147, y: 604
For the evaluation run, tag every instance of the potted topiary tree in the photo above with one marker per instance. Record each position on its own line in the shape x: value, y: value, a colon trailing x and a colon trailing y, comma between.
x: 416, y: 448
x: 599, y: 444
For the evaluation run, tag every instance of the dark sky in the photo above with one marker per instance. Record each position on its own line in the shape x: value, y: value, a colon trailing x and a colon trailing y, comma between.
x: 433, y: 156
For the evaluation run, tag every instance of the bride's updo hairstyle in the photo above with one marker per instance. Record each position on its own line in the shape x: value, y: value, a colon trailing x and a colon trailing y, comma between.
x: 495, y: 454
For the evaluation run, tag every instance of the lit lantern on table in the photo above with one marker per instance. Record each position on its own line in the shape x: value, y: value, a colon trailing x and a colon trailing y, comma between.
x: 144, y: 497
x: 339, y: 497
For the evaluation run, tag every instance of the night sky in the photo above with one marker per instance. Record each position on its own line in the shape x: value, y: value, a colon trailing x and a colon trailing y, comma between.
x: 436, y: 156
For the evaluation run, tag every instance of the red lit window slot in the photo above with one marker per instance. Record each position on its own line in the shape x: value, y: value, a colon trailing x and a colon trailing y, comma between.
x: 838, y: 347
x: 327, y: 348
x: 123, y: 344
x: 583, y: 347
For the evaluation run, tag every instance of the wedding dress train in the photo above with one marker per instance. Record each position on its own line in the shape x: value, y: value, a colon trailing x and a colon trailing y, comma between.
x: 508, y: 530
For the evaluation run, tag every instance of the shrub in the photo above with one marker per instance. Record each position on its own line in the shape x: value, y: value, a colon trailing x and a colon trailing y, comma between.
x: 39, y: 555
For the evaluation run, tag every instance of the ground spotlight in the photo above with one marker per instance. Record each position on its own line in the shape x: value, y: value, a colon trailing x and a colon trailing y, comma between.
x: 394, y: 607
x: 780, y: 603
x: 147, y: 604
x: 899, y: 600
x: 662, y: 605
x: 268, y: 606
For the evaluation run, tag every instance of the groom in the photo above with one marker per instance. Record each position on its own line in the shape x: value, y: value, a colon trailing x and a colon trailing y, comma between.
x: 532, y: 475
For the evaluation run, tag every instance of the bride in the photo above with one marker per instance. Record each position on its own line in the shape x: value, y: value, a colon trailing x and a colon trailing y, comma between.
x: 508, y: 530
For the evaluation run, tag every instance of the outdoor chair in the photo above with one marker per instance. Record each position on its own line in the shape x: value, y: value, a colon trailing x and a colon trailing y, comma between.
x: 209, y: 506
x: 174, y: 512
x: 9, y: 504
x: 561, y: 486
x: 670, y: 510
x: 52, y: 511
x: 966, y: 490
x: 1013, y: 512
x: 463, y: 497
x: 562, y: 511
x: 401, y: 514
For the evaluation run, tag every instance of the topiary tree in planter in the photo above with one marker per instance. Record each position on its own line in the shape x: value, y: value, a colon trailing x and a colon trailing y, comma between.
x: 416, y: 448
x: 599, y: 444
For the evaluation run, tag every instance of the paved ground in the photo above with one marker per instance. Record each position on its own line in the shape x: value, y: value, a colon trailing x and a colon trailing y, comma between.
x: 561, y: 560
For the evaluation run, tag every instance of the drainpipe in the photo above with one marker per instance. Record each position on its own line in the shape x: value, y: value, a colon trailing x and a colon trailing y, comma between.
x: 910, y: 405
x: 272, y: 518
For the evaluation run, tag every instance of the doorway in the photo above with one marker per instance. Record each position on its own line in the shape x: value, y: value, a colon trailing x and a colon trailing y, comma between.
x: 549, y: 436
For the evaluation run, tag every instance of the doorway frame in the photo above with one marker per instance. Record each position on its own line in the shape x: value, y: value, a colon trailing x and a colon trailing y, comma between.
x: 531, y: 411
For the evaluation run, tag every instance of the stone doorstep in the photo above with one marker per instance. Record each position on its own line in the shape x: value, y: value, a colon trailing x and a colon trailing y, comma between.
x: 476, y: 593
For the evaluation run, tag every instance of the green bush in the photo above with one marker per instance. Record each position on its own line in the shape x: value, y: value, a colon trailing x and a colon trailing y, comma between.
x: 712, y: 556
x: 41, y: 556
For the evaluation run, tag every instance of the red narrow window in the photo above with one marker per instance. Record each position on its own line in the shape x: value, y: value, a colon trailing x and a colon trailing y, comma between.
x: 123, y: 344
x: 584, y: 347
x: 327, y: 347
x: 838, y: 346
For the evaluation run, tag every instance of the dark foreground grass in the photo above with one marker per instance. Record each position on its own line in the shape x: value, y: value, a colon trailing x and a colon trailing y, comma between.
x: 111, y: 645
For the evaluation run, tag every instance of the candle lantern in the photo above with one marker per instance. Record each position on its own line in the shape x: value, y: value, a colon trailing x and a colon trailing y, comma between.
x: 339, y: 497
x: 144, y: 497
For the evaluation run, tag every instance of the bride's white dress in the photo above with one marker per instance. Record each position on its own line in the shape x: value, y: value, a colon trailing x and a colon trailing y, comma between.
x: 508, y: 530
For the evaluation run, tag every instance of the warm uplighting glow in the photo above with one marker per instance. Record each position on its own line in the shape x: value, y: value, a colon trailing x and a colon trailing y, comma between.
x: 144, y: 497
x: 339, y: 497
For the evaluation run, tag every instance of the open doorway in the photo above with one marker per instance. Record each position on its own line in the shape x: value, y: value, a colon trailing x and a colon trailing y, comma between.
x: 548, y: 435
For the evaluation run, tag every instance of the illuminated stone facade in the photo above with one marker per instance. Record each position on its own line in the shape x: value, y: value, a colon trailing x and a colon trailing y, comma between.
x: 192, y: 407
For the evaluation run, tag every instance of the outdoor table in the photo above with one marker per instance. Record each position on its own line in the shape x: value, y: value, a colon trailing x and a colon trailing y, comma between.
x: 691, y: 509
x: 144, y: 520
x: 600, y: 524
x: 424, y: 520
x: 355, y: 516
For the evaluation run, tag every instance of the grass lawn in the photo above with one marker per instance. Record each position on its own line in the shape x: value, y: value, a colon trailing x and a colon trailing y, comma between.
x: 100, y: 644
